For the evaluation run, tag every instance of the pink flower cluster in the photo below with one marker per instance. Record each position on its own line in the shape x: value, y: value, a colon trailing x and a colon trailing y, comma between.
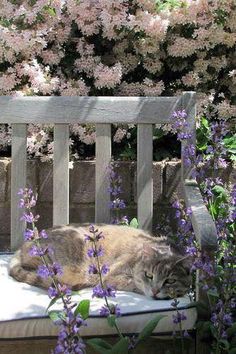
x: 118, y: 47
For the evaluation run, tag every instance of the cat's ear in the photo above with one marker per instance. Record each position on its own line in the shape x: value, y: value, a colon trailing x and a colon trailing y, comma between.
x: 151, y: 251
x: 185, y: 262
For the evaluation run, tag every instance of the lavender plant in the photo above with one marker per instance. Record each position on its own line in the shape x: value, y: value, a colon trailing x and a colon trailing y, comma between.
x: 217, y: 275
x: 73, y: 316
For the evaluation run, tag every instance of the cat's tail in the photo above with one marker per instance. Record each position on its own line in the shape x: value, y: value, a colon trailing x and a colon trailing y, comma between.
x: 25, y: 274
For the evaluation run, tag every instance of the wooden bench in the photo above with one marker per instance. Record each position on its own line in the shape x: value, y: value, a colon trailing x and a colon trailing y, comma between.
x: 101, y: 111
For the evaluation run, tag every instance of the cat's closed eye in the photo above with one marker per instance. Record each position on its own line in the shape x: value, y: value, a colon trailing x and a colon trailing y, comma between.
x: 148, y: 275
x: 170, y: 281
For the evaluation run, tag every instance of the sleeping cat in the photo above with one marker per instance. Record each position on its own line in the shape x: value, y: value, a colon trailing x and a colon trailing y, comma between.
x: 138, y: 261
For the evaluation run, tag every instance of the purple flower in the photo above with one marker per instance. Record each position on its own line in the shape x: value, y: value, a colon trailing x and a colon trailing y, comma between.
x: 21, y: 203
x: 43, y: 271
x: 179, y: 317
x: 214, y: 319
x: 112, y: 310
x: 92, y: 252
x: 88, y: 238
x: 117, y: 204
x: 110, y: 291
x: 177, y: 214
x: 29, y: 218
x: 92, y: 229
x: 28, y: 235
x: 227, y: 319
x: 36, y: 251
x: 21, y: 191
x: 104, y: 311
x: 52, y: 292
x: 176, y: 204
x: 104, y: 269
x: 191, y: 250
x: 99, y: 236
x: 56, y: 269
x: 92, y: 269
x: 98, y: 291
x: 189, y: 211
x: 43, y: 234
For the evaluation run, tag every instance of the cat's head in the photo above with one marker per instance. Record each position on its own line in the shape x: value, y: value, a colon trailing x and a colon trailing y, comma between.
x: 162, y: 273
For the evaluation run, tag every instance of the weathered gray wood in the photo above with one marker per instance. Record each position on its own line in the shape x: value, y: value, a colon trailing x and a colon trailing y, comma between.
x: 61, y: 175
x: 189, y: 104
x: 144, y: 176
x: 18, y: 180
x: 103, y: 159
x: 87, y: 109
x: 204, y: 227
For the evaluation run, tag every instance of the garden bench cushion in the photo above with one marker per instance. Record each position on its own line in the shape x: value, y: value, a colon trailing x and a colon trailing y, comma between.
x: 23, y: 313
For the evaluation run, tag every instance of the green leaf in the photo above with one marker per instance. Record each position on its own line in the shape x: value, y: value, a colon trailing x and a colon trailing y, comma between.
x: 111, y: 319
x: 230, y: 143
x: 220, y: 191
x: 224, y: 343
x: 120, y: 347
x: 50, y: 10
x: 232, y: 351
x: 149, y: 328
x: 213, y: 292
x: 100, y: 345
x: 134, y: 223
x: 56, y: 315
x: 52, y: 302
x: 83, y: 309
x: 232, y: 330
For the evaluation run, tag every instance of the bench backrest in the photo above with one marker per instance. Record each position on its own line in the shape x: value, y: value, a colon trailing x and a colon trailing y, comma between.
x: 101, y: 111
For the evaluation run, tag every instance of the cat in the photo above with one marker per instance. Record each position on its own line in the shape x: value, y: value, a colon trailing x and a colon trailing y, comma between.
x: 138, y: 261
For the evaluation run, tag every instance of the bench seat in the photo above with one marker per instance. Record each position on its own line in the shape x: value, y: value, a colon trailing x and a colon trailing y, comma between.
x: 23, y: 313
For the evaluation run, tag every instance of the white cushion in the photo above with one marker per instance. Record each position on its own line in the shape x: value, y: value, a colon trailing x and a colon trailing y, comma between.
x: 23, y: 313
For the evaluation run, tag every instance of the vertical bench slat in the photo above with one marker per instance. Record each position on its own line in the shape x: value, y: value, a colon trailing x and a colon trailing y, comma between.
x: 144, y: 176
x: 189, y: 104
x: 103, y: 159
x: 61, y: 175
x: 18, y: 180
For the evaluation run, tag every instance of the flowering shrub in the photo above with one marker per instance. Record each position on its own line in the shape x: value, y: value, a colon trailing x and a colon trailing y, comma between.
x: 127, y: 48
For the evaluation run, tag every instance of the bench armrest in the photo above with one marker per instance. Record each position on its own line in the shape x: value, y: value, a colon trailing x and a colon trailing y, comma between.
x: 203, y: 224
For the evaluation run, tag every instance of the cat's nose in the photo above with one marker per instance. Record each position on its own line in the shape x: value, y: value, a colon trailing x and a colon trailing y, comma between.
x: 155, y: 291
